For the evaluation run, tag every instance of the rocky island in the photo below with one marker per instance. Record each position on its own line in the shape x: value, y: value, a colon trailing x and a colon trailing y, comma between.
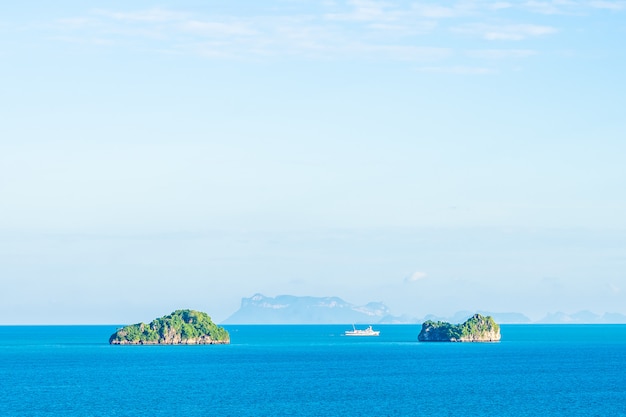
x: 182, y: 327
x: 477, y: 328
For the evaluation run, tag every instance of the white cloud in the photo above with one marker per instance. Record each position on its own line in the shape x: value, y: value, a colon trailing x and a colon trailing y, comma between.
x: 415, y: 276
x: 152, y: 15
x: 382, y: 34
x: 513, y: 32
x: 614, y: 289
x: 85, y: 40
x: 501, y: 5
x: 409, y: 53
x: 500, y: 53
x: 610, y: 5
x: 366, y: 10
x: 567, y: 7
x: 517, y: 32
x: 405, y: 29
x: 353, y: 29
x: 436, y: 11
x: 547, y: 7
x: 459, y: 70
x: 78, y: 22
x: 218, y: 28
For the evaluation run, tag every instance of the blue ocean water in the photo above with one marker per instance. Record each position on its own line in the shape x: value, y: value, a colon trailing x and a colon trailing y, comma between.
x: 536, y: 370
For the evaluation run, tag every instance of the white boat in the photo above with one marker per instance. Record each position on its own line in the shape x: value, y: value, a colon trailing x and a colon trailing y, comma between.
x: 358, y: 332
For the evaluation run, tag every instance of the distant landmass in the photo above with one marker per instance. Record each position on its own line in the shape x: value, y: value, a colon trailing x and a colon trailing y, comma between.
x: 461, y: 316
x: 477, y: 328
x: 458, y: 317
x: 583, y: 317
x: 290, y: 309
x: 182, y: 327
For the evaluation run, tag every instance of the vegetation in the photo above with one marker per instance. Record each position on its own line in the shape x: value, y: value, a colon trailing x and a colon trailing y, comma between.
x: 180, y: 327
x: 477, y: 327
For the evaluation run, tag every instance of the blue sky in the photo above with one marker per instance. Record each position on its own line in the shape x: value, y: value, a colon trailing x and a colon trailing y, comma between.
x: 433, y: 156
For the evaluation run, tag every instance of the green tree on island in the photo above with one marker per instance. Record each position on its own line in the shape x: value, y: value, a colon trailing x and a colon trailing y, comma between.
x: 477, y: 328
x: 180, y: 327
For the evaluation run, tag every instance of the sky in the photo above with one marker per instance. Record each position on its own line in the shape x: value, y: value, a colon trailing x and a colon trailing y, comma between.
x: 433, y: 156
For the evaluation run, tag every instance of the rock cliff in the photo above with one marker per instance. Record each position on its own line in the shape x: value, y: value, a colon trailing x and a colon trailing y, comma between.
x: 182, y: 327
x: 477, y: 328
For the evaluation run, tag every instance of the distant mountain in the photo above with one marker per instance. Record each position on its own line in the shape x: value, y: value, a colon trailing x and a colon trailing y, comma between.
x: 461, y: 316
x: 507, y: 318
x: 613, y: 318
x: 290, y: 309
x: 403, y: 319
x: 583, y: 317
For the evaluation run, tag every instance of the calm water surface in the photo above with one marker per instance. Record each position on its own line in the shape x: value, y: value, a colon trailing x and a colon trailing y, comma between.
x: 537, y: 370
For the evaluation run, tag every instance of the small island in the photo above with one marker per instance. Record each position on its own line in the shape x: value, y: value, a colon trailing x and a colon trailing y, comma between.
x: 182, y: 327
x: 477, y: 328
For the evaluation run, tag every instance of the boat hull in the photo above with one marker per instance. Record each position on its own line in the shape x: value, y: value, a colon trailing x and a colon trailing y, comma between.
x: 367, y: 332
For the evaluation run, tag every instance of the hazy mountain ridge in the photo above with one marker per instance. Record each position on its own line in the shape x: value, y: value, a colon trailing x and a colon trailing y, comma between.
x: 291, y: 309
x: 583, y: 317
x: 502, y: 318
x: 580, y: 317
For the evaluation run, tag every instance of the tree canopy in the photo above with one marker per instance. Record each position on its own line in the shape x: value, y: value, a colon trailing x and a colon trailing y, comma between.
x: 180, y: 327
x: 474, y: 328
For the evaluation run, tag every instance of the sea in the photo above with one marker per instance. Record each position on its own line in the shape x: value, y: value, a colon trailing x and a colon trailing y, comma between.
x: 314, y: 370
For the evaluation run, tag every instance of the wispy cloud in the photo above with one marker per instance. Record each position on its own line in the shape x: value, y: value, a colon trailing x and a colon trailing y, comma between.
x: 512, y: 32
x: 435, y: 11
x: 494, y: 54
x: 415, y: 276
x: 550, y: 7
x: 85, y: 41
x: 614, y: 289
x: 405, y: 29
x: 336, y: 30
x: 568, y: 7
x: 234, y: 37
x: 458, y: 70
x: 609, y: 5
x: 211, y: 28
x: 500, y: 5
x: 367, y: 11
x: 410, y: 53
x: 151, y: 15
x: 76, y: 22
